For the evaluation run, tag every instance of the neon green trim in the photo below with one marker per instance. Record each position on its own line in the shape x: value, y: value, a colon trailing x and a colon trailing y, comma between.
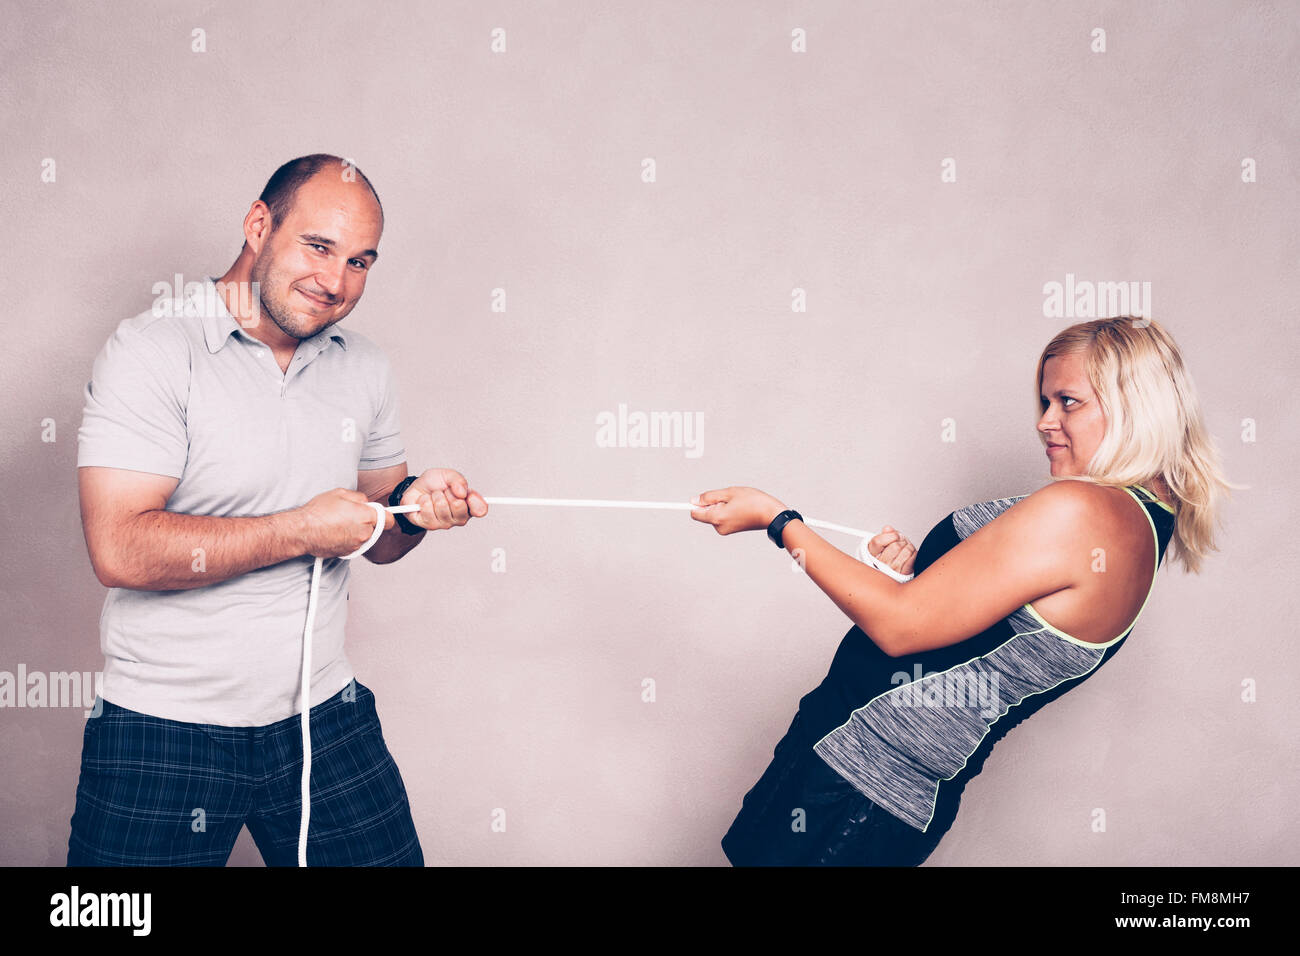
x: 1115, y: 640
x: 1156, y: 498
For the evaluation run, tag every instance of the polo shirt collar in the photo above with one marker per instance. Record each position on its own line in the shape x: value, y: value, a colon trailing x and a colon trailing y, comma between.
x: 218, y: 324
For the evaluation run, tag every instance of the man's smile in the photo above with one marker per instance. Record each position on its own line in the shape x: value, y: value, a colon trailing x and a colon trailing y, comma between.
x: 316, y: 301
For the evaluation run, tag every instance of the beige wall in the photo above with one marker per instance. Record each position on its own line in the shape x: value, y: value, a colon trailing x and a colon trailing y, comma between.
x: 774, y: 170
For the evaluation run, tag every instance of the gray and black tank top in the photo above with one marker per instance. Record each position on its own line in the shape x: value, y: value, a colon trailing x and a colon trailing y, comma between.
x: 908, y: 732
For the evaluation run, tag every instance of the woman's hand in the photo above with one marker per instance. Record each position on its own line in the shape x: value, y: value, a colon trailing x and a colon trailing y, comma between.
x: 736, y: 509
x: 891, y: 548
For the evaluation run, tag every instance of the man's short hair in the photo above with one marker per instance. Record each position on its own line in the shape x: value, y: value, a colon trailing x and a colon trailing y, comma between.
x: 283, y: 185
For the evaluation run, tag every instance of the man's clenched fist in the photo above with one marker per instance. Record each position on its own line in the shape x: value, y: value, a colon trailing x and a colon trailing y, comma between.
x: 445, y: 499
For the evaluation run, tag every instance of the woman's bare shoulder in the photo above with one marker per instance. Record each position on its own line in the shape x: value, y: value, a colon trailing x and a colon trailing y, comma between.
x: 1072, y: 489
x: 1088, y: 499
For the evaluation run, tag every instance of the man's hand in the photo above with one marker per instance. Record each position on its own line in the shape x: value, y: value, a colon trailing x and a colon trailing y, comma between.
x: 337, y: 522
x: 445, y: 499
x: 736, y: 509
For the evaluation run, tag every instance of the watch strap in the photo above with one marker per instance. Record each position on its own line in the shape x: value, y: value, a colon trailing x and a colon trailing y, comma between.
x: 777, y: 527
x: 395, y: 499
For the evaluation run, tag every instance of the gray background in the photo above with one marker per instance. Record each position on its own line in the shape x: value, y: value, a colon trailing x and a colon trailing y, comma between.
x: 775, y: 170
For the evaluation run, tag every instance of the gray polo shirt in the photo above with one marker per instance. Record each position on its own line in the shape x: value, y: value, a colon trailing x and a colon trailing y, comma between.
x: 182, y: 390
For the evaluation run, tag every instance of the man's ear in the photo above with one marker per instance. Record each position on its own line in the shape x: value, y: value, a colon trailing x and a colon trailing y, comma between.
x: 257, y: 226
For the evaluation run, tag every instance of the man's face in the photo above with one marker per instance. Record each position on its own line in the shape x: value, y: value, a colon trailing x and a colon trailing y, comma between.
x: 312, y: 269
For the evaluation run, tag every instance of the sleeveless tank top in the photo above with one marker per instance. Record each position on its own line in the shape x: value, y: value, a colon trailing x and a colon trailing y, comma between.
x: 908, y: 732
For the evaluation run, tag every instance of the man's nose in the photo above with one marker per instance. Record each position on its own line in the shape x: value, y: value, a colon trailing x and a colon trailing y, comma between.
x: 331, y: 279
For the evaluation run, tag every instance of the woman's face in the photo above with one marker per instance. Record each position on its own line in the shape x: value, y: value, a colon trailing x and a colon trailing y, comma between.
x: 1072, y: 424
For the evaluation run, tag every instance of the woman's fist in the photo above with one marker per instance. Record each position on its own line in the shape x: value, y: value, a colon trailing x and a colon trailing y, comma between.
x: 892, y: 549
x: 736, y: 509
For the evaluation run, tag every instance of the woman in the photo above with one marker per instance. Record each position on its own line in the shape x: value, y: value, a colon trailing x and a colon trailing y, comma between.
x: 1007, y: 611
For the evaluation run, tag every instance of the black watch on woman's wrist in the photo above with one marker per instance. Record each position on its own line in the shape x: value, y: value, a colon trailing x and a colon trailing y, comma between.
x: 395, y: 499
x: 777, y: 527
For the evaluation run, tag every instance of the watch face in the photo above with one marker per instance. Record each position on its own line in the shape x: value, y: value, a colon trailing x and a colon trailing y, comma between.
x: 777, y: 527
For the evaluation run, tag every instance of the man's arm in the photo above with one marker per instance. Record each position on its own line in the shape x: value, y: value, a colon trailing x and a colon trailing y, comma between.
x: 445, y: 498
x: 135, y: 543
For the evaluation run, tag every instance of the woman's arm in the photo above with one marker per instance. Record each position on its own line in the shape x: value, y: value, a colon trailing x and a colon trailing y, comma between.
x: 1037, y: 547
x: 870, y: 598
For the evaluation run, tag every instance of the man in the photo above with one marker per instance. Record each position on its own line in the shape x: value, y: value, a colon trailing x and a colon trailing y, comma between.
x: 227, y: 440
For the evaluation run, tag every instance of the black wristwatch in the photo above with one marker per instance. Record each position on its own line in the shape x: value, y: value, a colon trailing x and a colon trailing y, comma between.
x: 777, y: 527
x: 395, y: 499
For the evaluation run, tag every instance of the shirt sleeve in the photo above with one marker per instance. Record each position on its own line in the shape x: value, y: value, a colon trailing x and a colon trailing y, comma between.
x: 383, y: 445
x: 135, y: 403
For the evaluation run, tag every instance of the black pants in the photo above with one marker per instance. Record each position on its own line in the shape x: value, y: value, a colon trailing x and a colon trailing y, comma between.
x: 802, y: 813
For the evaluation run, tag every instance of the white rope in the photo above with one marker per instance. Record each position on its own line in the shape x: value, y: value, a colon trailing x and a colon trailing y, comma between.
x: 306, y: 667
x: 863, y: 555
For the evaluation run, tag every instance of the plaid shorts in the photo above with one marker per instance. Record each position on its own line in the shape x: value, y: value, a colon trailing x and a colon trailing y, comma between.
x: 157, y: 792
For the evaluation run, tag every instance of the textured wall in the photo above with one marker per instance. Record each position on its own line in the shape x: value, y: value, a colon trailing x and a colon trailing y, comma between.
x: 821, y: 170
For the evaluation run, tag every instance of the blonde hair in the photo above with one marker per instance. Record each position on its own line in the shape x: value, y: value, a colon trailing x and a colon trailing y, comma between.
x: 1154, y: 427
